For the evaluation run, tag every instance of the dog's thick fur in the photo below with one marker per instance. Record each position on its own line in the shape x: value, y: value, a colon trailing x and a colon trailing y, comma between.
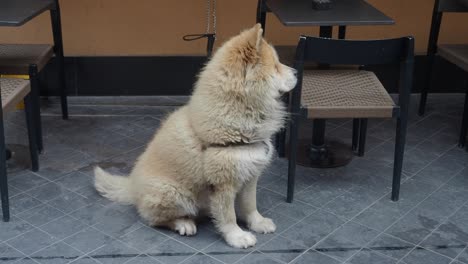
x: 209, y: 154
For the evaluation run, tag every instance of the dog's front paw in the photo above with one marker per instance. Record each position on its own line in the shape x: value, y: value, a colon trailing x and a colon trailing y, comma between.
x: 185, y: 227
x: 240, y: 239
x: 262, y: 225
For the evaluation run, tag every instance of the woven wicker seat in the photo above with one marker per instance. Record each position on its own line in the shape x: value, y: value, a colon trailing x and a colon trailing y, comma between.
x: 456, y: 54
x: 16, y: 58
x: 13, y: 92
x: 345, y: 94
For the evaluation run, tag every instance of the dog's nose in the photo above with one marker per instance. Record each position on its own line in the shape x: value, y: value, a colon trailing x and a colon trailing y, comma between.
x: 294, y: 72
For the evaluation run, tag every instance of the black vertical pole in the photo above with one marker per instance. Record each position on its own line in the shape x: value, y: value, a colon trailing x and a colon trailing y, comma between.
x: 406, y: 82
x: 261, y: 14
x: 35, y: 90
x: 341, y: 32
x: 58, y: 49
x: 3, y: 172
x: 318, y: 150
x: 356, y: 124
x: 362, y: 136
x: 464, y: 126
x: 32, y: 131
x: 431, y: 51
x: 295, y: 108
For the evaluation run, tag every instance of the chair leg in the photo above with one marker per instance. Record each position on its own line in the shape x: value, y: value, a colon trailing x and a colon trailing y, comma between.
x: 281, y: 143
x: 399, y: 153
x: 281, y: 136
x: 464, y: 126
x: 362, y: 137
x: 3, y: 173
x: 426, y: 87
x: 35, y: 93
x: 29, y: 109
x: 431, y: 51
x: 58, y: 49
x: 293, y: 142
x: 356, y: 123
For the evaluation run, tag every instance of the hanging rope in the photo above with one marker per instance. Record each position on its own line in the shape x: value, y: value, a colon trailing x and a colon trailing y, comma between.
x: 210, y: 32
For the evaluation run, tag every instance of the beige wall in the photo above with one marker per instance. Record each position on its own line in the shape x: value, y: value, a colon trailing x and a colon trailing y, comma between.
x: 155, y: 27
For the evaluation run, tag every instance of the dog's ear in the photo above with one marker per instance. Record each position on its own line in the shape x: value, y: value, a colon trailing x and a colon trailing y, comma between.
x: 255, y: 36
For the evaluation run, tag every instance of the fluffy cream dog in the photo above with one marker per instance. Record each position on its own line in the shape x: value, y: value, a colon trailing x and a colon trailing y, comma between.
x: 208, y: 155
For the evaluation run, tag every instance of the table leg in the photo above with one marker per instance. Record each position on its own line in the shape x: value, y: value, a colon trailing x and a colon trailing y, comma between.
x: 464, y: 126
x: 3, y: 173
x: 58, y: 49
x: 8, y: 154
x: 322, y: 153
x: 341, y: 32
x: 261, y: 14
x: 318, y: 150
x: 325, y: 32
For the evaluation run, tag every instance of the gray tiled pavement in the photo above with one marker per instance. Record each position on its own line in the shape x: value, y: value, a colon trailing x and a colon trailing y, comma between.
x: 340, y: 215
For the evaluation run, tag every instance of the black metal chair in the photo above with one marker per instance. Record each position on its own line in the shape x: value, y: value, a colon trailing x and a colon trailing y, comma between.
x: 318, y: 93
x: 464, y: 125
x: 27, y: 59
x: 30, y: 59
x: 286, y: 54
x: 12, y: 92
x: 456, y: 54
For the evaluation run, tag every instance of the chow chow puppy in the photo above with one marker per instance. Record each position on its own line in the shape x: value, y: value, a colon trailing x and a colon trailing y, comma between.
x: 207, y: 156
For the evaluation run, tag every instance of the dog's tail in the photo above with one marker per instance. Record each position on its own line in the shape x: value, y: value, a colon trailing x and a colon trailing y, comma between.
x: 113, y: 187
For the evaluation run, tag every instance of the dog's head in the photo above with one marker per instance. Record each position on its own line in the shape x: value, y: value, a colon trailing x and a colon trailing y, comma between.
x: 240, y: 87
x: 253, y: 64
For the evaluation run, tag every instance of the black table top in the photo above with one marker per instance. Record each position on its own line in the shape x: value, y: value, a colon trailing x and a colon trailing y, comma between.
x: 18, y: 12
x: 343, y: 12
x: 464, y: 2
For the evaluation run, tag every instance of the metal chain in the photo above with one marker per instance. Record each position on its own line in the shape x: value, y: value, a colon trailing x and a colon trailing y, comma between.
x: 214, y: 17
x: 210, y: 25
x: 210, y: 16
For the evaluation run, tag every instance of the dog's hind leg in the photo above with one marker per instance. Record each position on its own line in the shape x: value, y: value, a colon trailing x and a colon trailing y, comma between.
x: 168, y: 206
x: 184, y: 226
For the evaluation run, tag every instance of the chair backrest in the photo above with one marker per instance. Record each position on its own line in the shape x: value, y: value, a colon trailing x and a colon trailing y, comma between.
x: 354, y: 52
x: 452, y: 5
x: 441, y: 6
